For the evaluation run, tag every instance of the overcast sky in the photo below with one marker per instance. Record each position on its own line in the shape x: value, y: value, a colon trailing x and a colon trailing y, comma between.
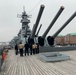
x: 10, y: 23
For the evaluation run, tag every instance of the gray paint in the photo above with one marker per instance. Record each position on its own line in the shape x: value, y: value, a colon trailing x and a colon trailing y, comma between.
x: 37, y: 21
x: 54, y: 49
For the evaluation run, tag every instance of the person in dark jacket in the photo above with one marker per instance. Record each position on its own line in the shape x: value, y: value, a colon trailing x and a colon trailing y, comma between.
x: 30, y: 49
x: 16, y: 49
x: 26, y: 48
x: 37, y: 48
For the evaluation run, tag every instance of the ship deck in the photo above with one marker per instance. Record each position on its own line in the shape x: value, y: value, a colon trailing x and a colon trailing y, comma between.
x: 32, y: 65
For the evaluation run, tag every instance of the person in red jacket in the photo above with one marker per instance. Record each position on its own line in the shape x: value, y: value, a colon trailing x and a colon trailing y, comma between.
x: 4, y: 55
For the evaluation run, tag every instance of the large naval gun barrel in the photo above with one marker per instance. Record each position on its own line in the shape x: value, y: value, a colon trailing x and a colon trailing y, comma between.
x: 41, y: 39
x: 51, y: 38
x: 31, y: 38
x: 37, y: 21
x: 38, y: 30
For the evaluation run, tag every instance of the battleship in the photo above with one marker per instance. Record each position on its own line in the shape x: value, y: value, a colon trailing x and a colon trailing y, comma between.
x: 32, y: 36
x: 51, y: 60
x: 26, y: 34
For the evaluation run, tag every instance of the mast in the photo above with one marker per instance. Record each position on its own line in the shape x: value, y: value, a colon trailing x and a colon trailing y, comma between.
x: 25, y: 31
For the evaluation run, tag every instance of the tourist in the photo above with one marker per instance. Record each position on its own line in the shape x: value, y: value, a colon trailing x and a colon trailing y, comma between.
x: 37, y: 48
x: 30, y: 45
x: 26, y: 48
x: 16, y: 49
x: 34, y: 48
x: 21, y: 46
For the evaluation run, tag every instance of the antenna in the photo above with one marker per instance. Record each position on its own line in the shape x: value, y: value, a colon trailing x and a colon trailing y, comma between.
x: 23, y: 8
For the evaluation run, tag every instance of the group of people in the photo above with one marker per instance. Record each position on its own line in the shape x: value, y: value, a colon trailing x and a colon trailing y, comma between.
x: 26, y: 49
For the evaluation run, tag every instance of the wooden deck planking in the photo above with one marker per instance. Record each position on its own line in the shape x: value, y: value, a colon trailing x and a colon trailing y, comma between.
x: 31, y: 65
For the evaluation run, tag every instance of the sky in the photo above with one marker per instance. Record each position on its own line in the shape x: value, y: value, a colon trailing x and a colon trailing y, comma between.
x: 10, y: 23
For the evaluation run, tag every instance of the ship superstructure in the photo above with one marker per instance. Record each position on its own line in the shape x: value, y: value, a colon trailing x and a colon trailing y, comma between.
x: 25, y: 32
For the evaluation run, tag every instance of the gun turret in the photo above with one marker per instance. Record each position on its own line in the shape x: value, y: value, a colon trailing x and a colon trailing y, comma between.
x: 51, y: 38
x: 41, y: 39
x: 31, y: 39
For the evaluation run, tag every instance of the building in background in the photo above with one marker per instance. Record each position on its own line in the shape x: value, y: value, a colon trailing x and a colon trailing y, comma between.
x: 69, y: 39
x: 59, y: 40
